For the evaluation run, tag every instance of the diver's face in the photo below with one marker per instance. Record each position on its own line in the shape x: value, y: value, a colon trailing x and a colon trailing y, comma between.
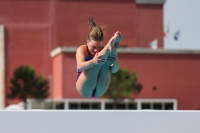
x: 94, y: 46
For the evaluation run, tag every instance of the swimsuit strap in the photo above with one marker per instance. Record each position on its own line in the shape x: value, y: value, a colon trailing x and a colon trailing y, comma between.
x: 89, y: 53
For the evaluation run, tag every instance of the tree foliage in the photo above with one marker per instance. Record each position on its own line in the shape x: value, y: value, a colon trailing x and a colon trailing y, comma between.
x: 26, y: 84
x: 123, y: 85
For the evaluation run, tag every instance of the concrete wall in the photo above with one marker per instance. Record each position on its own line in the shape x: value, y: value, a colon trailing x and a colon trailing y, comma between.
x: 41, y: 121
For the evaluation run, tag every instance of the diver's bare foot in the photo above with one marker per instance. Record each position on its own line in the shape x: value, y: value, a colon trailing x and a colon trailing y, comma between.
x: 118, y: 40
x: 113, y: 43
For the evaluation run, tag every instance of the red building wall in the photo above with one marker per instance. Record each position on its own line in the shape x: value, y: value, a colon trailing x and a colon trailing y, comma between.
x: 140, y: 24
x: 33, y: 28
x: 58, y: 81
x: 27, y: 36
x: 175, y: 76
x: 149, y: 21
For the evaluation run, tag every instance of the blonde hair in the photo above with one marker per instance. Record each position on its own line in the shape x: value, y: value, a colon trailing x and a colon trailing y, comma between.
x: 95, y: 32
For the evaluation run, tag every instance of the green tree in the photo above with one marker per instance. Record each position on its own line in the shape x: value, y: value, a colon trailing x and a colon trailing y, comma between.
x: 26, y: 84
x: 123, y: 85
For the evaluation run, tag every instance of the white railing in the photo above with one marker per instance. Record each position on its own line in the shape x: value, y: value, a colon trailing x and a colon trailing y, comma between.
x: 102, y: 103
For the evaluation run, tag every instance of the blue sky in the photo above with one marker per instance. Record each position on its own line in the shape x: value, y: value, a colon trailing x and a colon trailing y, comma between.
x: 183, y: 16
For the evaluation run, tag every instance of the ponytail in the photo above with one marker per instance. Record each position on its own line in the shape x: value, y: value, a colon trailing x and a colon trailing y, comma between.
x: 95, y: 32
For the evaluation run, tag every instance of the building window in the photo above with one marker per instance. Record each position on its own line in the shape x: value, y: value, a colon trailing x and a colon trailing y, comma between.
x: 121, y: 106
x: 73, y: 106
x: 158, y: 105
x: 132, y: 106
x: 84, y: 106
x: 169, y: 106
x: 96, y: 106
x: 146, y: 106
x: 60, y: 106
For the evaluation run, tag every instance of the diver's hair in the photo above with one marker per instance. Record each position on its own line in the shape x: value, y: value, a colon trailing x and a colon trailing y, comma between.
x: 95, y: 32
